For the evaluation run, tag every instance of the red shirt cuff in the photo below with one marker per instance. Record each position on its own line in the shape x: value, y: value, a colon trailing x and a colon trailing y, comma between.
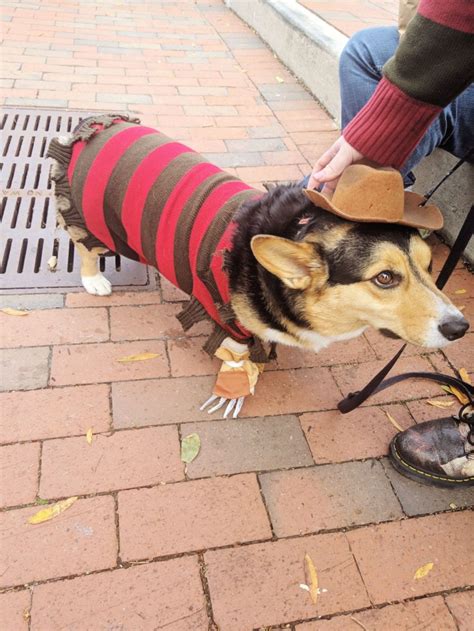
x: 390, y: 125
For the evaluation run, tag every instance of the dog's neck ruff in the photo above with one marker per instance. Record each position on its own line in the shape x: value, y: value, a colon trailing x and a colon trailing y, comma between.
x: 155, y: 200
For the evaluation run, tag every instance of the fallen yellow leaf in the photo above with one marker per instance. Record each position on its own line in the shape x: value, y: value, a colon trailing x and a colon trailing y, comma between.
x: 14, y: 312
x: 89, y: 436
x: 453, y: 505
x: 394, y: 422
x: 279, y: 79
x: 457, y: 393
x: 45, y: 514
x: 313, y: 579
x: 423, y: 570
x: 459, y: 292
x: 440, y: 404
x: 138, y: 358
x: 190, y: 446
x: 464, y: 376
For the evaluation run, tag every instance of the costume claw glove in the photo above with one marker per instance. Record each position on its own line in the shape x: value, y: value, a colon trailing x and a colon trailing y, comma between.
x: 237, y: 378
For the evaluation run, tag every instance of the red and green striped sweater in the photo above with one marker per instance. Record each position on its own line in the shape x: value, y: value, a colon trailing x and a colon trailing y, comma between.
x: 152, y: 199
x: 432, y: 65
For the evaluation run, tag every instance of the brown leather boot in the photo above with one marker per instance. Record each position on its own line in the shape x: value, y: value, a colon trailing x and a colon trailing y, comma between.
x: 439, y: 453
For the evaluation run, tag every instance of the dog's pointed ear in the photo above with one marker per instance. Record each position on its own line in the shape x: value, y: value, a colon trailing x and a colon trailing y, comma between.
x: 295, y: 263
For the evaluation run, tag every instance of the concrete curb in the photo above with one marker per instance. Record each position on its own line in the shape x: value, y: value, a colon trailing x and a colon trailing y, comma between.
x: 306, y: 44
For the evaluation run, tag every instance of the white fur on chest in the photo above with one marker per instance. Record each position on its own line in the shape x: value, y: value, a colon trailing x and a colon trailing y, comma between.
x: 309, y: 339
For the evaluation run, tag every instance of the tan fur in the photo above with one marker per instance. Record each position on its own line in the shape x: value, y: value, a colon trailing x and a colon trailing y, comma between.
x: 89, y: 258
x: 293, y: 262
x: 404, y: 309
x: 340, y: 310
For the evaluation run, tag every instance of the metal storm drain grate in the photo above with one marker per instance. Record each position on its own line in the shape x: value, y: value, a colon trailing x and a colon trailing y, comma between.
x: 27, y: 210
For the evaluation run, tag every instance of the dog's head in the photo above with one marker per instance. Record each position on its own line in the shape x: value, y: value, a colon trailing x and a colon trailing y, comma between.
x: 344, y: 276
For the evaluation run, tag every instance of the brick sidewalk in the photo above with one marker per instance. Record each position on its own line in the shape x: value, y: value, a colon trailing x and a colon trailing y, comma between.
x: 350, y: 16
x: 148, y: 545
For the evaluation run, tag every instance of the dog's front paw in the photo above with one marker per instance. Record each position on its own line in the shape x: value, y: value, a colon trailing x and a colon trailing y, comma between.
x: 236, y: 379
x: 234, y: 405
x: 97, y: 285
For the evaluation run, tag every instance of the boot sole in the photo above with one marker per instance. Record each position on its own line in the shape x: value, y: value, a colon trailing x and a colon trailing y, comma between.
x: 424, y: 477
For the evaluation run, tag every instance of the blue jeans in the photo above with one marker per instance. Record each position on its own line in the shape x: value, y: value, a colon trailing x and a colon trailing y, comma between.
x: 360, y: 70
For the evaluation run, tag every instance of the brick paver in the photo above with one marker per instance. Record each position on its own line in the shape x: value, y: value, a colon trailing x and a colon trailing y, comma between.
x: 15, y: 608
x: 95, y: 363
x: 417, y: 499
x: 120, y: 298
x: 351, y: 380
x: 51, y: 413
x: 151, y: 544
x: 166, y: 594
x: 43, y: 328
x: 148, y: 322
x: 461, y: 606
x: 329, y: 497
x: 429, y: 613
x: 363, y: 433
x: 404, y: 547
x: 80, y: 540
x: 350, y: 16
x: 70, y: 466
x: 265, y: 588
x: 24, y: 368
x: 19, y: 471
x: 191, y: 516
x: 254, y: 445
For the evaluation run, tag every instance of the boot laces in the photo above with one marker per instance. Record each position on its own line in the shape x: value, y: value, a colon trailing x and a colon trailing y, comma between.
x: 466, y: 415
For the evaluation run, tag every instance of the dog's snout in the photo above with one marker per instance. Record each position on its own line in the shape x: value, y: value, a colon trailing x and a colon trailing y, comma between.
x: 454, y: 328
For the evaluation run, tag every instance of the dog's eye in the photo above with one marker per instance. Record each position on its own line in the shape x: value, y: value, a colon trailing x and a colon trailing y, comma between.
x: 385, y: 279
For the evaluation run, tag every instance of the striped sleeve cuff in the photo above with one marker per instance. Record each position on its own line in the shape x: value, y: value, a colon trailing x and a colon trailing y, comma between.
x: 390, y: 125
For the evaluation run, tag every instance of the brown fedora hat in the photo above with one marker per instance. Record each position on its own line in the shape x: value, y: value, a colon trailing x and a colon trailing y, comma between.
x: 364, y: 193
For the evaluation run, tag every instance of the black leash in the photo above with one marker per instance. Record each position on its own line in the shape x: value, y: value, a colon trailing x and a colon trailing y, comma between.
x: 354, y: 399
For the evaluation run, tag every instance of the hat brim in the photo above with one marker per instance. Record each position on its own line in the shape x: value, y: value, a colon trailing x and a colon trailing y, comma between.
x: 414, y: 215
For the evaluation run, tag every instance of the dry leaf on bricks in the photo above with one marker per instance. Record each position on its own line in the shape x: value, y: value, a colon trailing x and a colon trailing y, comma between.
x: 312, y: 579
x: 423, y: 570
x: 137, y: 358
x: 393, y: 422
x: 46, y: 514
x: 440, y: 404
x: 190, y: 446
x: 464, y: 376
x: 14, y: 312
x: 89, y: 436
x: 462, y: 398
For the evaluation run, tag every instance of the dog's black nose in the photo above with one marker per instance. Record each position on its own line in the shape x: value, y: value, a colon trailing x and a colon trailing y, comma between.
x: 454, y: 328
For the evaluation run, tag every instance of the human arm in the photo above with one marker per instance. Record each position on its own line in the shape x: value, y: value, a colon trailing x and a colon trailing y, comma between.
x: 432, y: 65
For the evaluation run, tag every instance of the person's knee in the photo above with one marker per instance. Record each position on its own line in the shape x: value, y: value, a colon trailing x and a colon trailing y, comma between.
x: 370, y: 47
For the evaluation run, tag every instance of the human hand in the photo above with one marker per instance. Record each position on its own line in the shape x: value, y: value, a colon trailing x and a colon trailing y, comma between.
x: 331, y: 164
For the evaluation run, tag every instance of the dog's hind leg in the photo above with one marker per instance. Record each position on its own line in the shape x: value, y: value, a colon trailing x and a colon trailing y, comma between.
x: 71, y: 220
x: 93, y: 281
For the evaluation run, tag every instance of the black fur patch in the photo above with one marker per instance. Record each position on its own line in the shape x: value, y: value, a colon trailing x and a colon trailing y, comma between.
x: 353, y: 254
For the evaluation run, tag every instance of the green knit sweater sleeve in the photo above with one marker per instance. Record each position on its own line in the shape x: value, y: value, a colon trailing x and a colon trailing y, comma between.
x: 433, y: 64
x: 445, y: 54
